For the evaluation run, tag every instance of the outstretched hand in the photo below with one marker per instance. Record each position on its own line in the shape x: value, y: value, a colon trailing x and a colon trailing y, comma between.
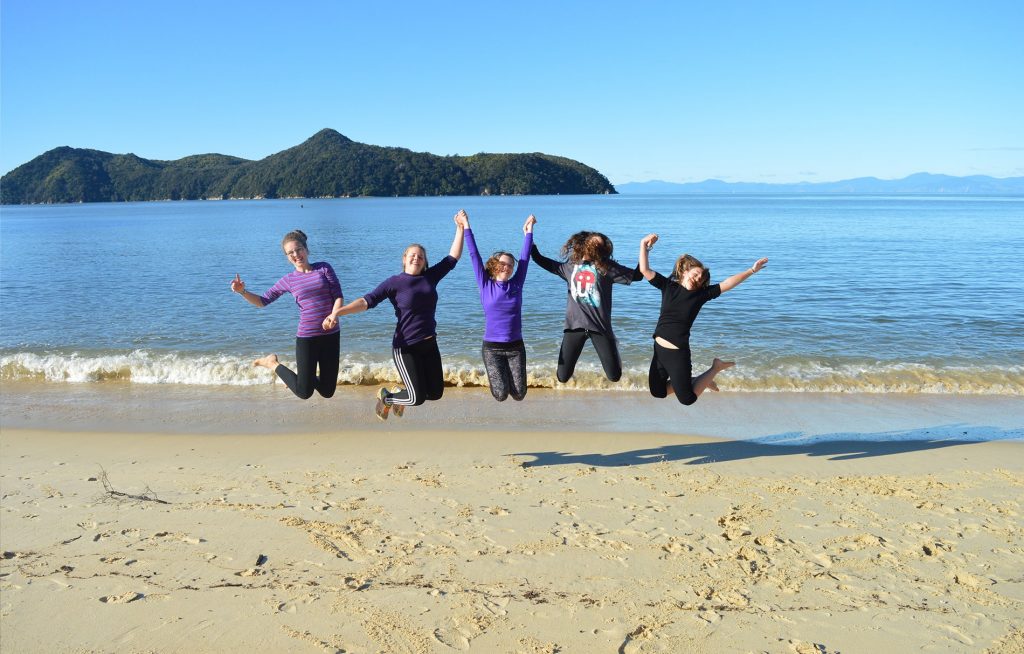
x: 462, y: 219
x: 237, y: 285
x: 528, y: 225
x: 759, y: 264
x: 649, y: 241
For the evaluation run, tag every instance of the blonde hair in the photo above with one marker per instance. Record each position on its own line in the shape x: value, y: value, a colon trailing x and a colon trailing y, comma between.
x: 686, y: 262
x: 426, y: 264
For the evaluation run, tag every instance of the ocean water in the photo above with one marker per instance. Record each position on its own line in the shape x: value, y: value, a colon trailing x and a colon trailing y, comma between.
x: 863, y: 294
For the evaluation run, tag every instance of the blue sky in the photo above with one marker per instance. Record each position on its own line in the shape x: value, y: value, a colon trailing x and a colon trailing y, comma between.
x: 640, y: 90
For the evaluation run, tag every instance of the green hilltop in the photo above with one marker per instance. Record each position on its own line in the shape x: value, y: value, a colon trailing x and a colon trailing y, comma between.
x: 327, y: 165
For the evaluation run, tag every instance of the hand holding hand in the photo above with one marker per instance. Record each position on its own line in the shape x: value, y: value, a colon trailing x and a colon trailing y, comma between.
x: 462, y: 219
x: 649, y: 241
x: 759, y: 264
x: 528, y: 225
x: 237, y: 285
x: 330, y: 322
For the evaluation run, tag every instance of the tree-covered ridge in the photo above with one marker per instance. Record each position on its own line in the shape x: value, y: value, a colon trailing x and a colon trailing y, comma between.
x: 326, y: 165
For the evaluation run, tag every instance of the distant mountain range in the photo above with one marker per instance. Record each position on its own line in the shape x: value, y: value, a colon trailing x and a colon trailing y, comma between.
x: 919, y: 183
x: 327, y: 165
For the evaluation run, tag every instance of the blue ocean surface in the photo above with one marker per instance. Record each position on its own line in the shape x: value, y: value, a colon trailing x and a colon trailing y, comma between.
x: 863, y: 294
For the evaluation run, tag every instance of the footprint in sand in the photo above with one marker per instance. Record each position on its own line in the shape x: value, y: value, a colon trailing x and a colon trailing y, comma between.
x: 123, y: 598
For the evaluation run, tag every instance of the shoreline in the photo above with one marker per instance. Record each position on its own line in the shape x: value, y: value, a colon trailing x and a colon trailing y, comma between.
x: 272, y: 409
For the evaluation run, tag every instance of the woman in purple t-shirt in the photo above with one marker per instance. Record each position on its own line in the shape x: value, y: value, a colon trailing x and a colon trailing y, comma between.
x: 316, y: 290
x: 501, y: 295
x: 413, y: 293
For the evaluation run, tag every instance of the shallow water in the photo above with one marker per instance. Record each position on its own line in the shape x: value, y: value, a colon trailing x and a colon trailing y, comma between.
x: 861, y: 295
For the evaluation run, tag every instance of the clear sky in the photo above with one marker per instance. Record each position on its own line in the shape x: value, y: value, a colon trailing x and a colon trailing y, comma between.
x: 672, y: 90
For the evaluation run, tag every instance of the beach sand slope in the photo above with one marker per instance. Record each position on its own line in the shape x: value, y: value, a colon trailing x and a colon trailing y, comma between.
x: 427, y: 541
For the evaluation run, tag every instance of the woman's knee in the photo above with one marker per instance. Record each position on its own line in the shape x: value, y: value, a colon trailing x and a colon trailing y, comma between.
x: 686, y: 398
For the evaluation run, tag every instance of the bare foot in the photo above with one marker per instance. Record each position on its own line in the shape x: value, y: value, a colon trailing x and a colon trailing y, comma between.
x: 718, y: 365
x: 269, y: 362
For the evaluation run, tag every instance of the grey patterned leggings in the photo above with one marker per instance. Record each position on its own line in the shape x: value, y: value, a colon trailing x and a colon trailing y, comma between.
x: 506, y: 369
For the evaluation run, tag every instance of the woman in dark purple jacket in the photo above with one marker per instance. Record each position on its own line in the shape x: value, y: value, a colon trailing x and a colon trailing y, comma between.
x: 413, y: 293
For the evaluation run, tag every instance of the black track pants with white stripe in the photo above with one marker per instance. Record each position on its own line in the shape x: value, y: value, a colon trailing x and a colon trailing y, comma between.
x: 419, y: 365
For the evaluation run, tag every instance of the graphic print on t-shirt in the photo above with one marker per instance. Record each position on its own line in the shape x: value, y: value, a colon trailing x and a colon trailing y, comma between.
x: 583, y: 285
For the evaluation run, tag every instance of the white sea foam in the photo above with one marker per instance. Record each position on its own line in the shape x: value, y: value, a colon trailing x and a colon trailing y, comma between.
x: 144, y: 367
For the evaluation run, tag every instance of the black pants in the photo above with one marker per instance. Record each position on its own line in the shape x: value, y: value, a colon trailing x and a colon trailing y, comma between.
x: 311, y: 351
x: 420, y: 368
x: 572, y: 346
x: 506, y: 369
x: 673, y: 366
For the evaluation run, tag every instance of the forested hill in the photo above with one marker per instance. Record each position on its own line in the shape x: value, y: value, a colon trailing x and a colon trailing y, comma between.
x: 327, y: 165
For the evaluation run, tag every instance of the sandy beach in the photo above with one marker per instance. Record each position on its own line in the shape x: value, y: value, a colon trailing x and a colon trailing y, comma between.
x: 249, y: 521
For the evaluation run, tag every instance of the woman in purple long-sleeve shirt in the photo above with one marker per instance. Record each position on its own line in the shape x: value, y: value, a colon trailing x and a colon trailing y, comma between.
x: 501, y: 294
x: 317, y: 292
x: 413, y: 294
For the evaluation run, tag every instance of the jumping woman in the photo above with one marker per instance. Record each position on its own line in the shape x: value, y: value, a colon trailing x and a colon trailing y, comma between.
x: 501, y: 295
x: 316, y: 290
x: 589, y: 272
x: 413, y: 293
x: 682, y: 297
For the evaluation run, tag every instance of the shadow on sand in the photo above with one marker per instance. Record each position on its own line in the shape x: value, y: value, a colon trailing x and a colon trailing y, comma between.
x: 834, y: 447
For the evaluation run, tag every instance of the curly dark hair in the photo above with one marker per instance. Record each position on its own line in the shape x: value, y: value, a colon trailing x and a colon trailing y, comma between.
x: 594, y: 247
x: 491, y: 267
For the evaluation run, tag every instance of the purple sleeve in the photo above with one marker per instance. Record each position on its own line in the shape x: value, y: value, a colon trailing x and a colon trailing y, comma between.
x: 332, y: 281
x: 379, y: 294
x: 438, y: 271
x: 474, y: 256
x: 275, y: 291
x: 524, y: 259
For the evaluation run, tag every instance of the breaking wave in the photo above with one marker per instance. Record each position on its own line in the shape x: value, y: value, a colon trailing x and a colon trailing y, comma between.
x: 810, y: 376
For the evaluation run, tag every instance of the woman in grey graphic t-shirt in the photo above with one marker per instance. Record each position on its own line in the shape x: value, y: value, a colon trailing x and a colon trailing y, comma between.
x: 589, y: 272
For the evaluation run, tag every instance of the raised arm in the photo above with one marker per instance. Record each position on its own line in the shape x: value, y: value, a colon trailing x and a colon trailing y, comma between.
x: 238, y: 286
x: 549, y: 265
x: 474, y: 257
x: 646, y: 243
x: 461, y: 223
x: 732, y: 282
x: 524, y: 252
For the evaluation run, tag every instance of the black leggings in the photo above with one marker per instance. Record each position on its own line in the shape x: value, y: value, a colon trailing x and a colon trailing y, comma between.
x: 506, y: 369
x: 673, y: 366
x: 572, y: 346
x: 420, y: 368
x: 311, y: 351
